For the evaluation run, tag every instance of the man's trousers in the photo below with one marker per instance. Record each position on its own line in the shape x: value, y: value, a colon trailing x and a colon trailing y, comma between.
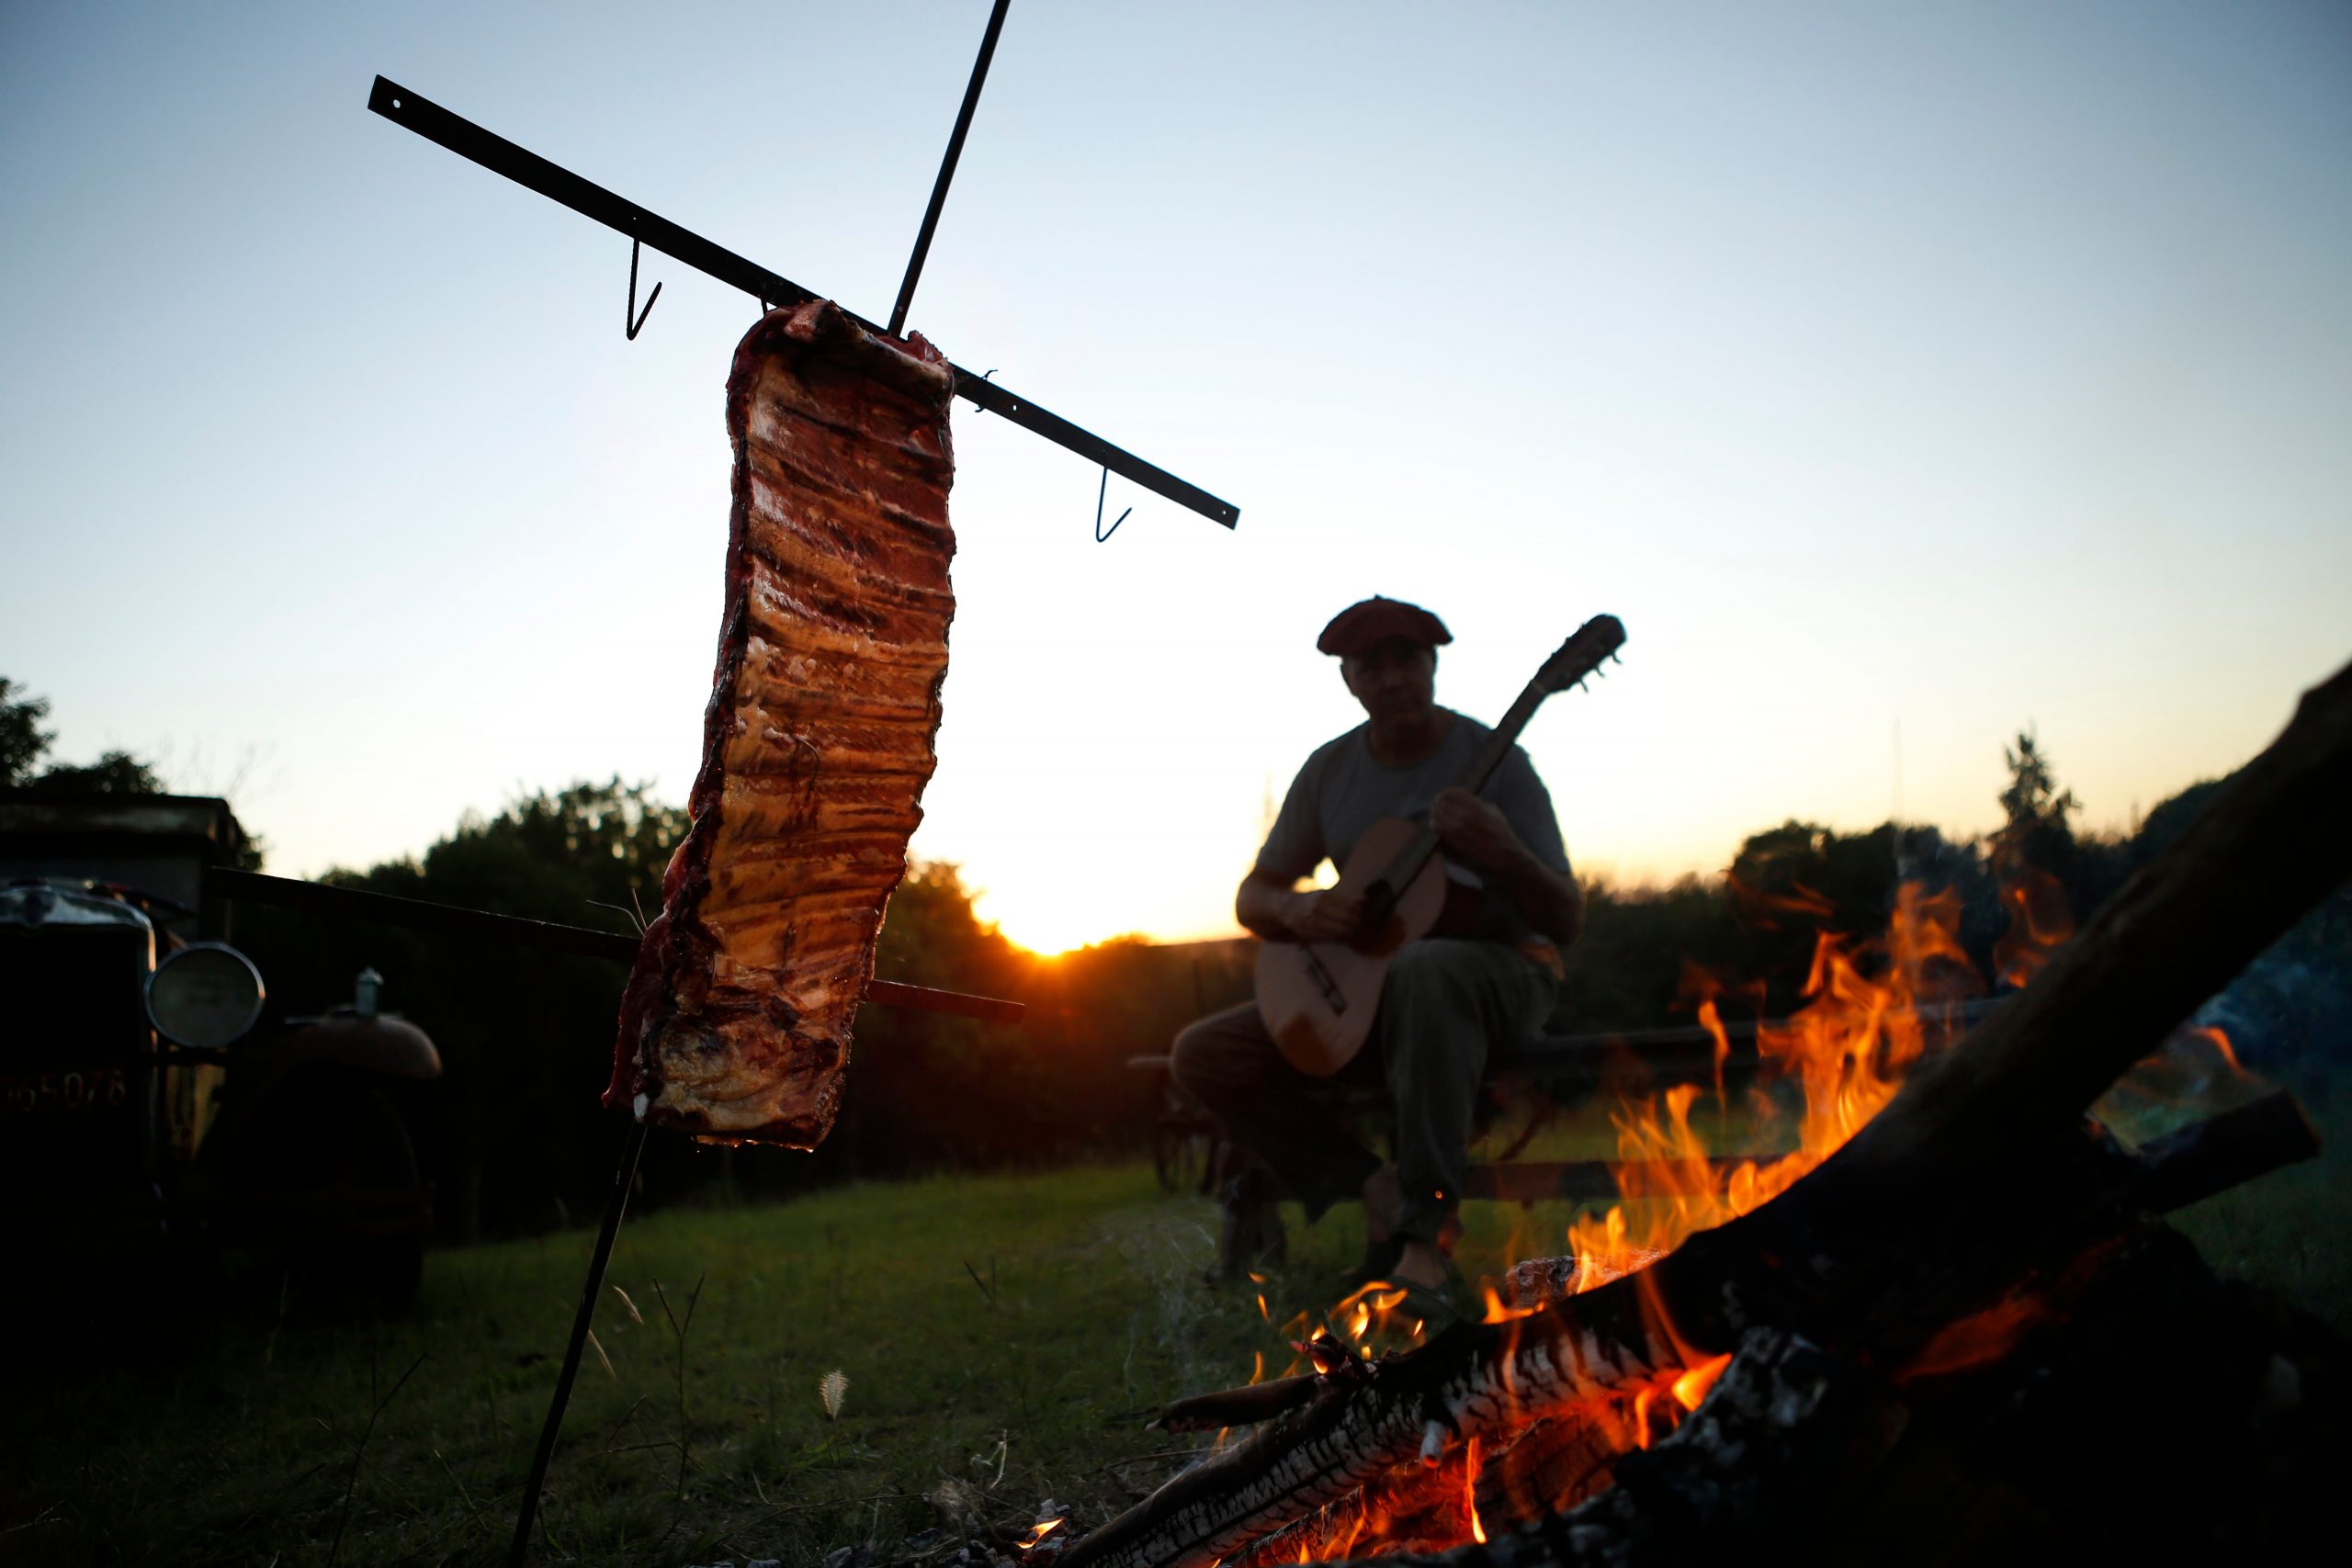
x: 1444, y: 1006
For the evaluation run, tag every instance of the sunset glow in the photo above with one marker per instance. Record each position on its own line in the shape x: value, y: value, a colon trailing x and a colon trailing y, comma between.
x: 2011, y: 375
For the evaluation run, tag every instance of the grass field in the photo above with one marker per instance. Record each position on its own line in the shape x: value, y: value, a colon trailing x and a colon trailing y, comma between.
x: 1002, y: 1337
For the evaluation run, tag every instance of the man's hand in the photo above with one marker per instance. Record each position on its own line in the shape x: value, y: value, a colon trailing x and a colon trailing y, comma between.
x: 1328, y: 914
x: 1267, y: 905
x: 1477, y: 830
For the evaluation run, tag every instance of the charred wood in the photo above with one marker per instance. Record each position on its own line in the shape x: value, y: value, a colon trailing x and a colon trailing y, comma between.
x: 1238, y: 1406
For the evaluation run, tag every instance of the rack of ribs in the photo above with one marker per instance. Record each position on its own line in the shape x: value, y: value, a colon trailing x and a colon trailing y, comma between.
x: 817, y: 739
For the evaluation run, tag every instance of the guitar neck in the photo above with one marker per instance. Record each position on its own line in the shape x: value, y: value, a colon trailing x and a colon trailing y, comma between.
x: 1416, y: 854
x: 1598, y: 639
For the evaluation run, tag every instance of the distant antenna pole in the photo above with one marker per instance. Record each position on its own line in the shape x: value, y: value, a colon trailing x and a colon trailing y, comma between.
x: 947, y: 168
x: 1904, y: 862
x: 1897, y: 817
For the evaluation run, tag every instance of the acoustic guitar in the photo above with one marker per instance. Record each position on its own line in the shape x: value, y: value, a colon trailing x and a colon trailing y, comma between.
x: 1318, y: 997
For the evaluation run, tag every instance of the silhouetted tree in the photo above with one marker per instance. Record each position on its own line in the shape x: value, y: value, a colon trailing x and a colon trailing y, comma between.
x: 114, y: 773
x: 2033, y: 800
x: 22, y: 740
x: 23, y: 743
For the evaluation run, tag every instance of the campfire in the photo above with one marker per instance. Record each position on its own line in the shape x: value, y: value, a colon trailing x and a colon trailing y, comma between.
x: 1952, y: 1323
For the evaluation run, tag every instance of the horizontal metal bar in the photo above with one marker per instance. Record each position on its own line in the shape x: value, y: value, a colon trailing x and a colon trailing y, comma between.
x: 423, y: 914
x: 1092, y: 447
x: 526, y: 168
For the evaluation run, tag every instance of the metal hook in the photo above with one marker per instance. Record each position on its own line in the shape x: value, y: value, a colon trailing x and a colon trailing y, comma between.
x: 984, y: 376
x: 631, y: 317
x: 1101, y: 537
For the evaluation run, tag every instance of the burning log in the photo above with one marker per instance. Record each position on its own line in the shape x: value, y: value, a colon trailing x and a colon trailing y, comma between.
x: 2082, y: 1441
x: 1975, y: 1176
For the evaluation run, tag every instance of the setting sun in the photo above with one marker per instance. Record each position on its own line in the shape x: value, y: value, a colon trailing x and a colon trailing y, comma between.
x: 1042, y: 920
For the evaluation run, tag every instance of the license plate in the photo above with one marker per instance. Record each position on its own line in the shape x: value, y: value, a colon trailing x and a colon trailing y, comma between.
x: 64, y: 1090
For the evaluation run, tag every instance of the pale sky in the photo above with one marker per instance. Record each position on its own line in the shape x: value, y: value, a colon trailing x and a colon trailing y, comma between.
x: 1930, y: 370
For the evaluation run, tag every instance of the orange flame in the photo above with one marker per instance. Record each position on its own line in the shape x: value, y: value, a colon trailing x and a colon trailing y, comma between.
x: 2196, y: 1065
x: 1470, y: 1492
x: 1692, y: 1387
x: 1866, y: 1020
x: 1981, y: 1338
x: 1642, y: 1402
x: 1497, y: 1311
x: 1038, y: 1533
x: 1703, y: 988
x: 1760, y: 909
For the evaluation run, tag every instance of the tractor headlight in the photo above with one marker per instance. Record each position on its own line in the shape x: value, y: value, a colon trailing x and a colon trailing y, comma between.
x: 205, y: 995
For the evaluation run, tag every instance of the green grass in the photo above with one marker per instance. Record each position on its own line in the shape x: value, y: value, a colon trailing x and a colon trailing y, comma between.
x: 2291, y: 1233
x: 216, y: 1430
x: 225, y: 1434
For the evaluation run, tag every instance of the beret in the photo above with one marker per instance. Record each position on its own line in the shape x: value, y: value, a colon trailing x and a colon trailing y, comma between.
x: 1375, y: 620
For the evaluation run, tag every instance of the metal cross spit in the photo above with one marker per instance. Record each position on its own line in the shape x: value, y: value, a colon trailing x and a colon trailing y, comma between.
x: 461, y: 136
x: 494, y: 152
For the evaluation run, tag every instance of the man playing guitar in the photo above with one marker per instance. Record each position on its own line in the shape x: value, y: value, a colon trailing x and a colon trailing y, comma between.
x: 1488, y: 977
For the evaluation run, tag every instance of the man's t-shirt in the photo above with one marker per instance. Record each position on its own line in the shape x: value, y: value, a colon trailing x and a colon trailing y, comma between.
x: 1342, y: 790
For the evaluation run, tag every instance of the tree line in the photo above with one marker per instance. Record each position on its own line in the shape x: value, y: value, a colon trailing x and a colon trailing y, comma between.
x: 514, y: 1140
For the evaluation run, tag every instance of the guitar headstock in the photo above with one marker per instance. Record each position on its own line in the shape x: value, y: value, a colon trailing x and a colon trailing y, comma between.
x: 1596, y: 641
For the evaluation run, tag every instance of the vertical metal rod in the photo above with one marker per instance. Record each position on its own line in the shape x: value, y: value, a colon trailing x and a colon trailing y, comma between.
x: 947, y: 169
x: 623, y: 1178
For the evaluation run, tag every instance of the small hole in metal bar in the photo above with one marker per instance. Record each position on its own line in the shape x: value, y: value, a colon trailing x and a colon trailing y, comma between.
x: 396, y: 102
